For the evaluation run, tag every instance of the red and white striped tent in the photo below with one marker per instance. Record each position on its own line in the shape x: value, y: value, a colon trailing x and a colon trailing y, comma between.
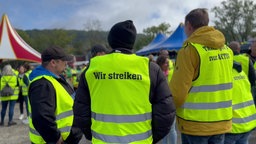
x: 13, y: 47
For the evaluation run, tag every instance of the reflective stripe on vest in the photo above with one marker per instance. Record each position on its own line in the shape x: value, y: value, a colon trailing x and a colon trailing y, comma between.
x: 124, y: 116
x: 211, y: 88
x: 64, y: 112
x: 122, y: 139
x: 210, y: 96
x: 244, y: 113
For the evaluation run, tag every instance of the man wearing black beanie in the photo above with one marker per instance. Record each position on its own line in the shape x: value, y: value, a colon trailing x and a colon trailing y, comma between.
x: 122, y: 97
x: 122, y: 35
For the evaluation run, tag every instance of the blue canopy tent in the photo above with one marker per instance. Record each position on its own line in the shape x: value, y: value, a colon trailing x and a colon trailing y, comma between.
x: 174, y: 42
x: 158, y: 39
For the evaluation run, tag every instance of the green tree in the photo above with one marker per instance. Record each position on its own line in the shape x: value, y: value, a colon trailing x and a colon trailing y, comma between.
x: 236, y: 19
x: 154, y: 30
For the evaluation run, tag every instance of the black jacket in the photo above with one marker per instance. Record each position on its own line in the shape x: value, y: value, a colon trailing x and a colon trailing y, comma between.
x: 42, y: 98
x: 163, y: 110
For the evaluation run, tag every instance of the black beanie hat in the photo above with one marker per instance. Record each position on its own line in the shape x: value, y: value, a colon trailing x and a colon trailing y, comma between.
x: 122, y: 35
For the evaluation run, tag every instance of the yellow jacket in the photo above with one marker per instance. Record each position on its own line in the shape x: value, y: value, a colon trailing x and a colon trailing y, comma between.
x: 186, y: 70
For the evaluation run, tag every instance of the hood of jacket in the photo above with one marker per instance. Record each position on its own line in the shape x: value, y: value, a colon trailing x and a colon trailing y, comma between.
x: 39, y: 71
x: 207, y: 36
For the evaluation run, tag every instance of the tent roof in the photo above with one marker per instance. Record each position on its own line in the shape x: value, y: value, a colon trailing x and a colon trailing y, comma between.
x: 12, y: 46
x: 158, y: 39
x: 174, y: 42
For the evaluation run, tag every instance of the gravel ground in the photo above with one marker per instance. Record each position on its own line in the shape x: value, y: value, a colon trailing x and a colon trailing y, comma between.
x: 18, y: 134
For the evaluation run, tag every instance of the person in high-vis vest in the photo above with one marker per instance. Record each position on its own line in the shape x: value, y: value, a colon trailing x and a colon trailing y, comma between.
x: 25, y: 83
x: 246, y: 63
x: 244, y: 112
x: 8, y: 76
x: 21, y: 71
x: 244, y: 60
x: 51, y: 101
x: 202, y: 82
x: 252, y: 55
x: 121, y: 97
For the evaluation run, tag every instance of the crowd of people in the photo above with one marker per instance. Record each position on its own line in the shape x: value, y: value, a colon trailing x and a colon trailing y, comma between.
x: 207, y: 94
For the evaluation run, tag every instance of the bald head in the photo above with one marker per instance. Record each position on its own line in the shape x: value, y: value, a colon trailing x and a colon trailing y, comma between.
x: 235, y: 46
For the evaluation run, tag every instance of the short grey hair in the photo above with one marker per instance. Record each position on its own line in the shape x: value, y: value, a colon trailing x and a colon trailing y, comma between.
x: 7, y: 70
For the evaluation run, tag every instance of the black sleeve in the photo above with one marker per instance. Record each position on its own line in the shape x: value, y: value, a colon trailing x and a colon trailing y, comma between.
x: 25, y: 80
x: 42, y: 99
x: 163, y: 109
x: 82, y: 107
x: 251, y: 74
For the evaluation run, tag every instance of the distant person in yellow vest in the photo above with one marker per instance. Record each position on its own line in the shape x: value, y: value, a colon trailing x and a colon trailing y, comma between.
x: 202, y: 82
x: 121, y: 97
x: 171, y: 64
x: 244, y: 112
x: 10, y: 78
x: 25, y: 84
x: 51, y: 101
x: 245, y: 61
x: 21, y: 100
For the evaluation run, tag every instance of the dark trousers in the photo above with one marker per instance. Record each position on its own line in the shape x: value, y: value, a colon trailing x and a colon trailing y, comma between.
x: 11, y: 109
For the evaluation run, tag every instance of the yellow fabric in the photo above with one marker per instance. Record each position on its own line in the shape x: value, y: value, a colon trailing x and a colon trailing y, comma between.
x: 114, y: 93
x: 74, y: 77
x: 186, y: 70
x: 171, y: 69
x: 64, y: 103
x: 244, y: 61
x: 216, y: 61
x: 24, y: 86
x: 242, y: 96
x: 12, y: 81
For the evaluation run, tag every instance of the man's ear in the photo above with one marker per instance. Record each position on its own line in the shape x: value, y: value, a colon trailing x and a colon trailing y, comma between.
x: 190, y: 28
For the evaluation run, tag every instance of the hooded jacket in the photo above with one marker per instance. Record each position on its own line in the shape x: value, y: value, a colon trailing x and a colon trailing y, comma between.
x: 186, y: 70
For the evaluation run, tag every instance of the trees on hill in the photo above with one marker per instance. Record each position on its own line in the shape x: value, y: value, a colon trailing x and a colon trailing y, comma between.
x: 236, y: 19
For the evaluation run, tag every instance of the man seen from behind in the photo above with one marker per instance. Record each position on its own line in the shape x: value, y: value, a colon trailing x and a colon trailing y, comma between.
x: 121, y: 97
x: 202, y: 82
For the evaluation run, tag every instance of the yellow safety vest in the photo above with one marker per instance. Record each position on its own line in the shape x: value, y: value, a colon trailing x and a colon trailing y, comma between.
x: 244, y: 113
x: 244, y: 61
x: 171, y: 69
x: 24, y: 86
x: 64, y: 113
x: 119, y: 86
x: 12, y: 81
x: 210, y: 96
x: 74, y: 77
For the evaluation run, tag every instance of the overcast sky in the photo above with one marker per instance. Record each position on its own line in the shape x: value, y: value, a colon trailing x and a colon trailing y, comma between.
x: 75, y: 14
